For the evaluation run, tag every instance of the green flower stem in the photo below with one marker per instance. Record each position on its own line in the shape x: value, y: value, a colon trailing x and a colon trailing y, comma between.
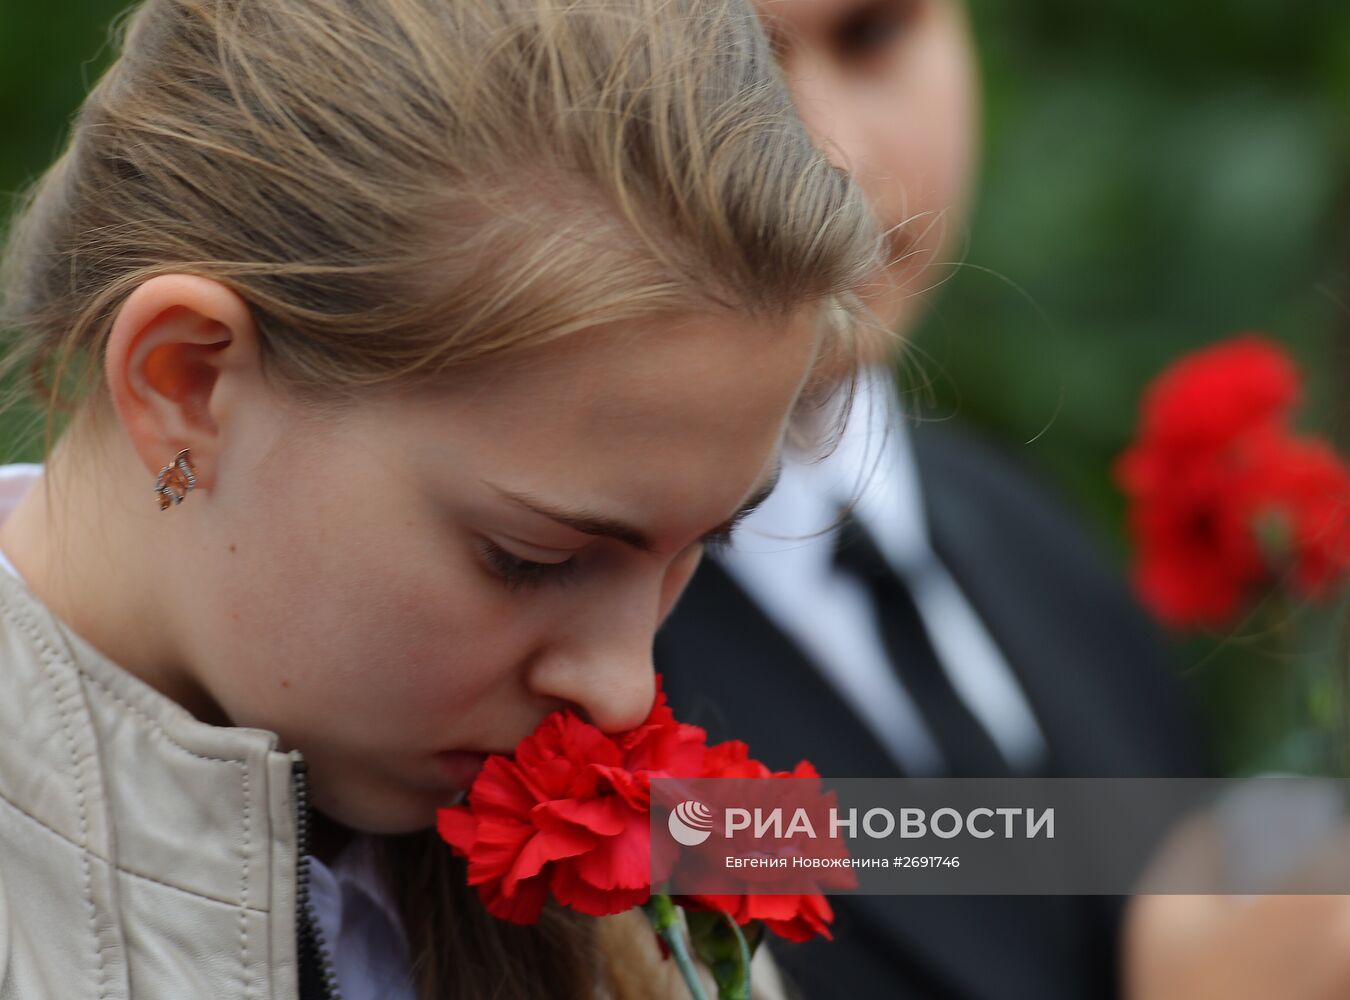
x: 665, y: 920
x: 719, y: 941
x: 741, y: 983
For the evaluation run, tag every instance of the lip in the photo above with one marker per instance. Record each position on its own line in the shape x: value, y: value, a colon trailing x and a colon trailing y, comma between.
x: 460, y: 767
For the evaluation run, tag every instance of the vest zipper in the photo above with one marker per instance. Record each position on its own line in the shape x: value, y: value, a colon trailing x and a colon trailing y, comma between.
x: 309, y: 933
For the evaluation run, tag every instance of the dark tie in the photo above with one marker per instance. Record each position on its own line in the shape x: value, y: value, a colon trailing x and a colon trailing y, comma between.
x: 969, y: 750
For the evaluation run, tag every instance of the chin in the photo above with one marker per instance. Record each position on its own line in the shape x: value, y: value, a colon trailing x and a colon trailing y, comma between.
x: 392, y: 814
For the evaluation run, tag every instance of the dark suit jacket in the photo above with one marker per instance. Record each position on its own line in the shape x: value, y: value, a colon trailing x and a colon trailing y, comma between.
x: 1094, y: 669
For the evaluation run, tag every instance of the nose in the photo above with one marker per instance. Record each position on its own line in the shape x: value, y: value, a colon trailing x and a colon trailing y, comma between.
x: 601, y: 663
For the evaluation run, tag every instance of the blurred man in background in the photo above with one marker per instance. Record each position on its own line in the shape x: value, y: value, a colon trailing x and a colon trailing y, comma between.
x: 958, y: 624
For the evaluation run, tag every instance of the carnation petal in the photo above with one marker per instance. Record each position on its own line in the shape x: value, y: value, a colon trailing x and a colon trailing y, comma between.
x: 458, y: 827
x: 601, y: 817
x: 521, y: 907
x: 571, y: 890
x: 536, y: 853
x: 623, y: 861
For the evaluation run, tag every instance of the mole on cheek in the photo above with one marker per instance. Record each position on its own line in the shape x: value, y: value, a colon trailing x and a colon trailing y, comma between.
x: 232, y: 546
x: 285, y: 683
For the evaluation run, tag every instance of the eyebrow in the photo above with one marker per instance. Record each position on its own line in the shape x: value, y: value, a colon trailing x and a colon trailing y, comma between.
x: 590, y: 523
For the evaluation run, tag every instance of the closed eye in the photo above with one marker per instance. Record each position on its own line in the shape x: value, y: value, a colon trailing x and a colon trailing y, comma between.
x: 517, y: 573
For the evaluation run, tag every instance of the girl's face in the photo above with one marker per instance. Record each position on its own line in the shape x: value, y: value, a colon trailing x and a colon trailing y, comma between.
x: 435, y: 574
x: 888, y: 88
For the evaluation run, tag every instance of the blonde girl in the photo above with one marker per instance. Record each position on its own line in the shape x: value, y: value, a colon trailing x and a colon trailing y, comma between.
x: 399, y: 358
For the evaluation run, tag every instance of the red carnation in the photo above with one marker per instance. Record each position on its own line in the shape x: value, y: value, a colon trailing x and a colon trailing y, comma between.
x: 1224, y: 499
x: 1308, y: 491
x: 794, y: 916
x: 1219, y: 393
x: 568, y: 816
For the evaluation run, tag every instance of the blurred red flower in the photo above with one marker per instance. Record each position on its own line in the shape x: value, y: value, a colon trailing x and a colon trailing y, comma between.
x: 1218, y: 393
x: 1224, y: 498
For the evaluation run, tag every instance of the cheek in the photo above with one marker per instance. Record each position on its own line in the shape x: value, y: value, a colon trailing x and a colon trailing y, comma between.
x: 918, y: 158
x: 953, y: 118
x: 917, y: 166
x: 349, y: 624
x: 940, y: 106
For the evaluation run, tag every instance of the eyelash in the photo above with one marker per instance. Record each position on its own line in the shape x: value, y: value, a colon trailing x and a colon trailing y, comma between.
x: 519, y: 573
x: 723, y: 540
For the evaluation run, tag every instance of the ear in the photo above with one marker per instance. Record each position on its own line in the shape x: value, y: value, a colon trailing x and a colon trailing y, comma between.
x: 173, y: 339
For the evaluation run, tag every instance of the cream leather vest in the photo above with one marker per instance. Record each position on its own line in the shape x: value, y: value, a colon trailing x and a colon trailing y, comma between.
x: 143, y: 853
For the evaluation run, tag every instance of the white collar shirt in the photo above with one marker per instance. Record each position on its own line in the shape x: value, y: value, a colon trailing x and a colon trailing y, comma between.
x: 828, y: 614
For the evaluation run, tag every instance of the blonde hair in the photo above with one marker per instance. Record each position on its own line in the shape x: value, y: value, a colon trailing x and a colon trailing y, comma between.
x: 403, y: 189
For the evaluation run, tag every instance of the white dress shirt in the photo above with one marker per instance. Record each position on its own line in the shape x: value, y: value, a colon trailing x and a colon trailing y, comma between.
x: 357, y: 916
x: 828, y: 613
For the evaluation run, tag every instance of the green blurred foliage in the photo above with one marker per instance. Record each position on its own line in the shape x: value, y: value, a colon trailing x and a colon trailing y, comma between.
x: 1155, y: 176
x: 49, y: 57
